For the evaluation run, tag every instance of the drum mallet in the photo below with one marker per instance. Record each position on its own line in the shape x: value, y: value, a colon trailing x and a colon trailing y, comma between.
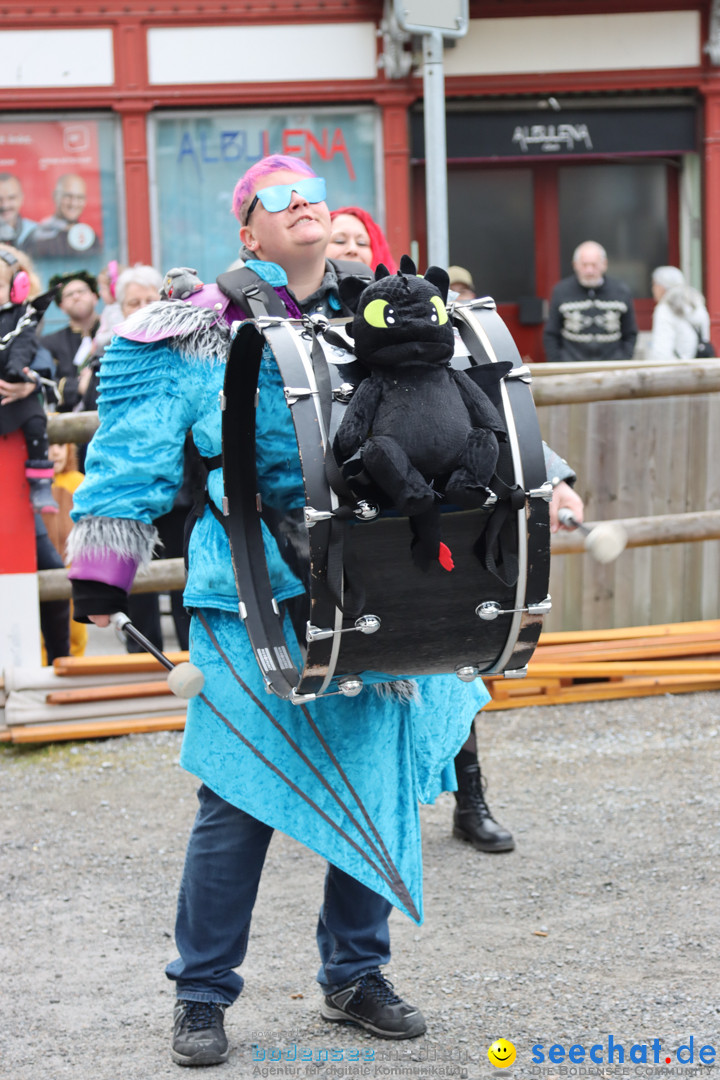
x: 604, y: 542
x: 184, y: 680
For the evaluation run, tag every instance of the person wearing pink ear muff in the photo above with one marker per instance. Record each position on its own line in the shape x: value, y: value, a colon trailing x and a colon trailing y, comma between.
x: 22, y: 408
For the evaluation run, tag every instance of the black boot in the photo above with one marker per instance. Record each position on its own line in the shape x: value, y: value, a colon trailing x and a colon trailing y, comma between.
x: 472, y: 819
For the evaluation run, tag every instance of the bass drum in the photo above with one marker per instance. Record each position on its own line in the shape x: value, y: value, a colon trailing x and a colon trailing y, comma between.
x: 367, y: 607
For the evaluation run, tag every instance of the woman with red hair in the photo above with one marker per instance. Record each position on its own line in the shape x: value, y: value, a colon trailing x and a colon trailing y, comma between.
x: 355, y: 235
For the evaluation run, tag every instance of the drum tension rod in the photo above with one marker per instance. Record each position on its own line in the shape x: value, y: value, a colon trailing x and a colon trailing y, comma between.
x: 297, y: 393
x: 522, y: 372
x: 490, y: 609
x: 366, y: 624
x: 348, y: 686
x: 363, y: 511
x: 543, y: 492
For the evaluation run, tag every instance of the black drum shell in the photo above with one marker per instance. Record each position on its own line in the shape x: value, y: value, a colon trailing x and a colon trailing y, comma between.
x: 428, y: 619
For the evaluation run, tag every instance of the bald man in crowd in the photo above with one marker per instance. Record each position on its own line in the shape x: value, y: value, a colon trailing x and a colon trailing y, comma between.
x: 14, y: 228
x: 591, y: 314
x: 63, y: 234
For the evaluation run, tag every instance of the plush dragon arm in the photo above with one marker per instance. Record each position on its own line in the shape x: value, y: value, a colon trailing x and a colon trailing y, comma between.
x: 358, y: 418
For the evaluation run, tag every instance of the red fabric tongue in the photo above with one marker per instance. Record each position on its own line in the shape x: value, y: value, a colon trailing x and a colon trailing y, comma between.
x: 445, y: 557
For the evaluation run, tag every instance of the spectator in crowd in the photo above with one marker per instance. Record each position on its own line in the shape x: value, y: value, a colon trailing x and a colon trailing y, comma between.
x: 63, y: 234
x: 681, y: 324
x: 21, y: 404
x: 76, y: 294
x: 23, y: 410
x: 134, y: 288
x: 111, y: 314
x: 67, y: 479
x: 357, y: 237
x: 591, y: 314
x: 14, y: 228
x: 54, y: 614
x: 461, y: 283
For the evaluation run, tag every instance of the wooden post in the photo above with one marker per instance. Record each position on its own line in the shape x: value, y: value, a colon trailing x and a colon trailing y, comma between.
x: 19, y: 611
x: 702, y: 377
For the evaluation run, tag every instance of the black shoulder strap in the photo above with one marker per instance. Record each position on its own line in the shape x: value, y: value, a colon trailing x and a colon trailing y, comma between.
x: 246, y: 289
x: 352, y: 268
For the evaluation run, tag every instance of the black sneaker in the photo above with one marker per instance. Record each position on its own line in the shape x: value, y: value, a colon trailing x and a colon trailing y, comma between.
x: 372, y: 1003
x: 198, y: 1035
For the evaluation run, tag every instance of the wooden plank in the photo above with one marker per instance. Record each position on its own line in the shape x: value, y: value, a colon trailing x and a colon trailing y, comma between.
x: 608, y: 691
x: 108, y: 693
x: 611, y: 669
x: 616, y: 633
x: 92, y: 729
x: 583, y: 367
x: 638, y: 650
x: 113, y: 665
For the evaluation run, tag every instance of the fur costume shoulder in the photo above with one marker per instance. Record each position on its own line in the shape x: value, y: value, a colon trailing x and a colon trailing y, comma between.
x: 197, y: 327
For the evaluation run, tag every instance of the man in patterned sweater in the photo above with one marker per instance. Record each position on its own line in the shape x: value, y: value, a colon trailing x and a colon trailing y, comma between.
x: 591, y: 315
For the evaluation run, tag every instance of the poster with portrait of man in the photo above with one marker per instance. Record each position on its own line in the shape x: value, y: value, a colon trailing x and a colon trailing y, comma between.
x: 50, y: 188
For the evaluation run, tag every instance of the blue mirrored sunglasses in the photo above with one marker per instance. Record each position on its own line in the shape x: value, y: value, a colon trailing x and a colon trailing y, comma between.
x: 278, y: 197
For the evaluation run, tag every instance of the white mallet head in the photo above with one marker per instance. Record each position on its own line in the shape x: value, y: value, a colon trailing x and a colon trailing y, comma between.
x: 606, y: 541
x: 186, y: 681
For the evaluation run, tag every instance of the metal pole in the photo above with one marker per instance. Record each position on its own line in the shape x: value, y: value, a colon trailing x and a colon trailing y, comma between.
x: 435, y: 150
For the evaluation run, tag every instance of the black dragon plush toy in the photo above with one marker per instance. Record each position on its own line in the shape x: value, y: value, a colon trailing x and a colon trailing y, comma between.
x: 421, y: 430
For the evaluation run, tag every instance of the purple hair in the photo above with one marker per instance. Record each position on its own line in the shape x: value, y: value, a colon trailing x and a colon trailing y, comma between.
x: 245, y: 187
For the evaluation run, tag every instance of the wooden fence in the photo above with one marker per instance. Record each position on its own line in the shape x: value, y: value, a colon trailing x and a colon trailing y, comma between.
x: 638, y: 458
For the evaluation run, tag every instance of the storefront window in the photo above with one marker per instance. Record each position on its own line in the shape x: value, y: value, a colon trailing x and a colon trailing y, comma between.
x: 622, y: 206
x: 59, y: 191
x: 491, y: 229
x: 198, y: 158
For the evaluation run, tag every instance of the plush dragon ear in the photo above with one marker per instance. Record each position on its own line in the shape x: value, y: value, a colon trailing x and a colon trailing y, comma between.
x: 440, y: 279
x: 350, y: 289
x: 407, y: 266
x: 381, y: 271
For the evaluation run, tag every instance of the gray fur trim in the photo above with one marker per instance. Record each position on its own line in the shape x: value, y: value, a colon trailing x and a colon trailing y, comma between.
x: 406, y: 690
x: 195, y: 332
x: 121, y: 536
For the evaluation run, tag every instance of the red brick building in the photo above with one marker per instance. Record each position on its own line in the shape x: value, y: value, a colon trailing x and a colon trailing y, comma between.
x: 565, y: 122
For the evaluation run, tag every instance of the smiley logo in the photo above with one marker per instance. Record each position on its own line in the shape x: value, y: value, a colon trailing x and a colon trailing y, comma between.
x: 501, y: 1053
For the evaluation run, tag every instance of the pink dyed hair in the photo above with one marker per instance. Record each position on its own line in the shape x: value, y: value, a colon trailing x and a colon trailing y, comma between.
x: 245, y: 187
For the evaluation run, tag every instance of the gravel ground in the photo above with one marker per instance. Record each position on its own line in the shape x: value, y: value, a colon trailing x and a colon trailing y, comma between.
x: 603, y: 922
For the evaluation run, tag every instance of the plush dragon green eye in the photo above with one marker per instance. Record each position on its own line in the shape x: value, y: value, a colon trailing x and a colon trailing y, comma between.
x: 379, y: 313
x: 440, y: 308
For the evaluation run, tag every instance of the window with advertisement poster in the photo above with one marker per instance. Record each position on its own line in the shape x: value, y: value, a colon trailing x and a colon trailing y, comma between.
x: 196, y: 159
x: 59, y: 191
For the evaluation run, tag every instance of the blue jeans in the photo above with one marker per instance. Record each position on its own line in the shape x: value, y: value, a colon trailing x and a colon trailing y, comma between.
x: 224, y: 861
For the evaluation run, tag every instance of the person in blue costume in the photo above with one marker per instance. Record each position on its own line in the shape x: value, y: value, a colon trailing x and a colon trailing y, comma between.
x: 264, y: 764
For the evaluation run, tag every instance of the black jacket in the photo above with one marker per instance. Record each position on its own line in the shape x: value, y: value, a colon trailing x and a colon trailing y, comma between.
x: 63, y: 345
x: 18, y: 353
x: 590, y: 323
